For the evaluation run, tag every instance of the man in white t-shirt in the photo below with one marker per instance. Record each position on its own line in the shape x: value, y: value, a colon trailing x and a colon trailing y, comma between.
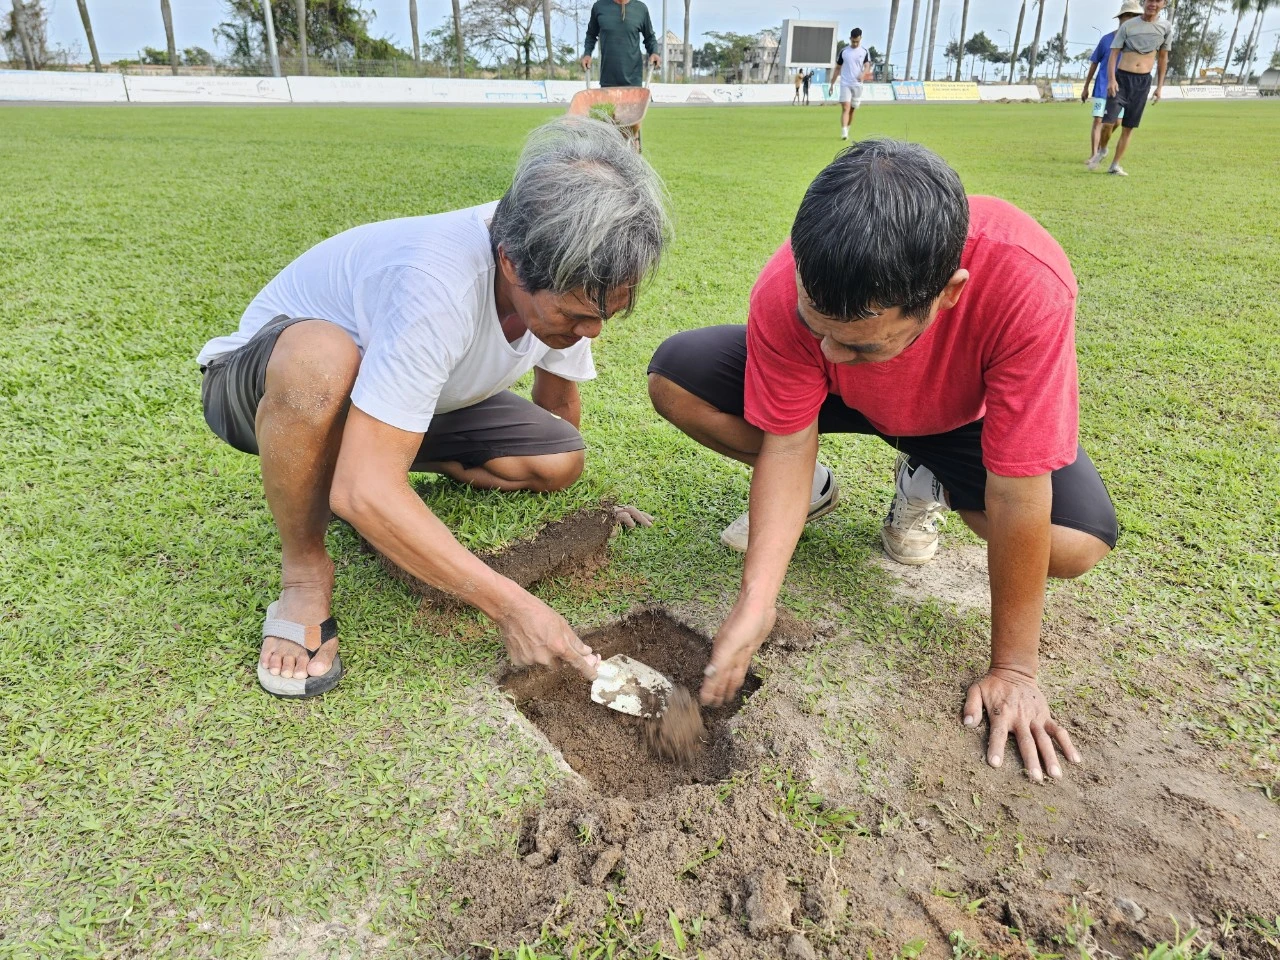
x: 853, y: 67
x: 390, y: 348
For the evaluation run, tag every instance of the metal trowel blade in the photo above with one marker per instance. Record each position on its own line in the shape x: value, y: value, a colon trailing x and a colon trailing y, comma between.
x: 630, y: 686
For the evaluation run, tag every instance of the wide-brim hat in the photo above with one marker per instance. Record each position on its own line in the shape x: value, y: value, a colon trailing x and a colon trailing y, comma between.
x: 1129, y: 6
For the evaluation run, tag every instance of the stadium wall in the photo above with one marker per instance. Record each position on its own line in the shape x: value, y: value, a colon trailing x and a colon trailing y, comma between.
x: 77, y: 87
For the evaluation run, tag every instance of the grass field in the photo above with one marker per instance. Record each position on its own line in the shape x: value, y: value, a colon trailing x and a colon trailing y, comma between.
x: 154, y: 803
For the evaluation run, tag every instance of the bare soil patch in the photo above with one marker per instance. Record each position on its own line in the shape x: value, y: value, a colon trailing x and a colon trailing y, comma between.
x: 801, y: 838
x: 578, y: 544
x: 612, y: 751
x: 957, y: 575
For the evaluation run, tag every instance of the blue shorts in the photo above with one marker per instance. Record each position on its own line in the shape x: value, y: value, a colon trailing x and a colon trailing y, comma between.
x: 1100, y: 107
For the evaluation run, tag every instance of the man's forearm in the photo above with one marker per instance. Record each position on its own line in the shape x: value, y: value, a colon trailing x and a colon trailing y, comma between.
x: 1018, y: 541
x: 401, y: 527
x: 779, y: 503
x: 1163, y: 67
x: 1112, y: 59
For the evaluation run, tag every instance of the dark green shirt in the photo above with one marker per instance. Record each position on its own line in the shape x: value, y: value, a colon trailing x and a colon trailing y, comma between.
x: 619, y: 27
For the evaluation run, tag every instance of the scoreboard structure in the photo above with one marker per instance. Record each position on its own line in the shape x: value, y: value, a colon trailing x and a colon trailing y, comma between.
x: 810, y: 44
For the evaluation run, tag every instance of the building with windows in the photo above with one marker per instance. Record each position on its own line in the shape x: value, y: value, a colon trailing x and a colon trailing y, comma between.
x: 674, y: 55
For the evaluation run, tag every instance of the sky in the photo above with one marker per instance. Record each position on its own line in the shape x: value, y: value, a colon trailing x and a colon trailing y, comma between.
x: 123, y: 27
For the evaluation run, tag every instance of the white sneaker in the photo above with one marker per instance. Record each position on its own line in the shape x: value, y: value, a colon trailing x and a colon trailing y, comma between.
x: 1093, y: 162
x: 910, y: 531
x: 1117, y: 171
x: 735, y: 535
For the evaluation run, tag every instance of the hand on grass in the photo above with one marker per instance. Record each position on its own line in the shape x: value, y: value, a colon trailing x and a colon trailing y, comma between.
x: 1014, y: 704
x: 735, y: 644
x: 630, y: 517
x: 534, y: 633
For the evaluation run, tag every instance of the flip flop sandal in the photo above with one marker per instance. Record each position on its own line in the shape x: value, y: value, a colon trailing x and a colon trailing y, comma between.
x: 310, y: 639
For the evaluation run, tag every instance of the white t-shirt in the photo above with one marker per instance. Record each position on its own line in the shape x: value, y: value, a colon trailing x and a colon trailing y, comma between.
x: 853, y: 61
x: 416, y: 295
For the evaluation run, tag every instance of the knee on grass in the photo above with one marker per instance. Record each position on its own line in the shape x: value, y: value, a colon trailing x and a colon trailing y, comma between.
x: 542, y: 474
x: 669, y: 400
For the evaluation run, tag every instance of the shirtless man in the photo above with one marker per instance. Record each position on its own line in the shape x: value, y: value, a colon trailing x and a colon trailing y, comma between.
x: 1138, y: 46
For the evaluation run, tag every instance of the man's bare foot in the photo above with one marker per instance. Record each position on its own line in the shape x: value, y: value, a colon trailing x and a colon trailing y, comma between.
x: 304, y: 598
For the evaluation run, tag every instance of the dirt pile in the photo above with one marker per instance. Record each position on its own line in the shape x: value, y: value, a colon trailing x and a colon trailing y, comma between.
x: 578, y: 544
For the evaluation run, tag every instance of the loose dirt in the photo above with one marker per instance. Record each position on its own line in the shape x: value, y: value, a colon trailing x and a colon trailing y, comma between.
x: 679, y: 733
x: 611, y: 750
x: 578, y: 544
x: 845, y: 809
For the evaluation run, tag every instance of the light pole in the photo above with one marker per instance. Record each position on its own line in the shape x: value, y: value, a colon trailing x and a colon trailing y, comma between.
x: 1006, y: 33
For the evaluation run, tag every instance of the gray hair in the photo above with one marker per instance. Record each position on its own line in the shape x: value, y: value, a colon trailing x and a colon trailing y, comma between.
x: 584, y: 211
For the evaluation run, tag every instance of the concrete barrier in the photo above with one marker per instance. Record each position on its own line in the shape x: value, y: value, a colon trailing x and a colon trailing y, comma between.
x: 1171, y: 92
x: 359, y: 90
x: 207, y: 89
x: 1013, y: 91
x: 56, y: 86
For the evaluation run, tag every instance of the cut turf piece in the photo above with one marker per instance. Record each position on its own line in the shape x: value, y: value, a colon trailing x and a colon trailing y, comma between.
x: 577, y: 544
x: 610, y: 750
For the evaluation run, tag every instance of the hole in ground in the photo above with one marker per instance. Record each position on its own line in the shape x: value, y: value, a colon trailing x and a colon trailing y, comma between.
x: 607, y: 748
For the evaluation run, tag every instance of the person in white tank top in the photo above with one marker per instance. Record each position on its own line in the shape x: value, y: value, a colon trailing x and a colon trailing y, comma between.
x: 853, y: 67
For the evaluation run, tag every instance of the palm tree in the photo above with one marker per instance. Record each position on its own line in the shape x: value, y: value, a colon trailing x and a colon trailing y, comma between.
x: 1017, y: 39
x: 933, y: 38
x: 93, y: 44
x: 888, y: 44
x: 1063, y: 49
x: 302, y: 31
x: 167, y: 14
x: 24, y: 39
x: 413, y: 29
x: 457, y: 38
x: 546, y: 28
x: 1255, y: 33
x: 911, y: 43
x: 1204, y: 33
x: 964, y: 23
x: 1241, y: 7
x: 1035, y: 43
x: 688, y: 50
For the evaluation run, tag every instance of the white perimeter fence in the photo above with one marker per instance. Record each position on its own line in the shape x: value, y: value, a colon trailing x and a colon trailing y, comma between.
x: 53, y: 86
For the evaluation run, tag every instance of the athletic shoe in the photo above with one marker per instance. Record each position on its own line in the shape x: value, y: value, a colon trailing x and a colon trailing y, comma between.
x: 735, y: 535
x: 1117, y: 171
x: 910, y: 531
x: 1097, y: 158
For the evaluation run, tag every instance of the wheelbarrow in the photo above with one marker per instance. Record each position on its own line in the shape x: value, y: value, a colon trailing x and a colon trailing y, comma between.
x: 623, y: 106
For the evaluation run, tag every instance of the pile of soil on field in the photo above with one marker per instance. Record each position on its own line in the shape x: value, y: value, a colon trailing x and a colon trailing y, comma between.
x: 857, y: 814
x: 577, y: 545
x: 608, y: 749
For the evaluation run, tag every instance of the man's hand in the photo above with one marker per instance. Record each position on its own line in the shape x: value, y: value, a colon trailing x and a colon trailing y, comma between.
x: 534, y: 633
x: 735, y: 644
x: 1113, y: 87
x: 1014, y: 704
x: 1084, y: 95
x: 655, y: 60
x: 586, y: 62
x: 1156, y: 96
x: 631, y: 517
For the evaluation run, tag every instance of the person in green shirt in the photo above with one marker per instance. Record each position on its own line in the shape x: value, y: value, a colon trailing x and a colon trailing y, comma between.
x: 618, y: 24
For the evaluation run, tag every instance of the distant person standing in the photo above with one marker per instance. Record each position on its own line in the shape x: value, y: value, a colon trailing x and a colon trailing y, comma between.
x: 1137, y: 47
x: 620, y: 25
x: 853, y: 66
x: 1101, y: 133
x: 808, y: 77
x: 799, y: 83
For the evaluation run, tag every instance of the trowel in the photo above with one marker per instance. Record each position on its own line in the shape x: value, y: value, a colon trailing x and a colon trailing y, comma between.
x: 630, y: 686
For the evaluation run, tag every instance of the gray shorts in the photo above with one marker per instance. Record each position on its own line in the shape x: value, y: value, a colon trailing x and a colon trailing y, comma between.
x: 505, y: 425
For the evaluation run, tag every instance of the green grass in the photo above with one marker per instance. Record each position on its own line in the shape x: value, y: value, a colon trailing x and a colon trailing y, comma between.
x: 154, y: 803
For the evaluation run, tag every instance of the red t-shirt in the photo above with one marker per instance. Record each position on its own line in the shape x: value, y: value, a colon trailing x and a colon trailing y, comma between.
x: 1005, y: 351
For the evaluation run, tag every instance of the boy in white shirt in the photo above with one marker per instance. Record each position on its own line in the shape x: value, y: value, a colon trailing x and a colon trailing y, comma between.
x: 390, y: 348
x: 853, y: 67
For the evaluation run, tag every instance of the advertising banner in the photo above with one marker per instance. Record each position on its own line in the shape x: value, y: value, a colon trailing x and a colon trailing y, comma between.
x: 1067, y: 91
x: 207, y: 89
x: 1009, y: 91
x: 908, y: 90
x: 1211, y: 91
x: 935, y: 90
x: 1241, y: 90
x: 54, y: 85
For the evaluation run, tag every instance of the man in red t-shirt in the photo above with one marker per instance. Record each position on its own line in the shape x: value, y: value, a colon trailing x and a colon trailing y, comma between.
x: 944, y: 324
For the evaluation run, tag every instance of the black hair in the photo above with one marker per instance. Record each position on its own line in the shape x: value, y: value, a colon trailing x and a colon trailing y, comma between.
x: 882, y: 226
x: 855, y: 33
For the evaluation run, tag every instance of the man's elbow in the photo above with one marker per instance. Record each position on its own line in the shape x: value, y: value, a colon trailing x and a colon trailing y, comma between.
x: 349, y: 499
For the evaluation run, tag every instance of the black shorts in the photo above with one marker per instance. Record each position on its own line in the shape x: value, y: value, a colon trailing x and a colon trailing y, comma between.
x: 1134, y: 88
x: 711, y: 363
x: 505, y: 425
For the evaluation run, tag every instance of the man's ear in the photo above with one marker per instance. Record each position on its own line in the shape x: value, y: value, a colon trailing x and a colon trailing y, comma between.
x: 509, y: 272
x: 951, y: 292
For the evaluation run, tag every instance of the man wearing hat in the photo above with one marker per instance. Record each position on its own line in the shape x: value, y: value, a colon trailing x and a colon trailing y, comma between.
x: 1138, y: 45
x: 1101, y: 132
